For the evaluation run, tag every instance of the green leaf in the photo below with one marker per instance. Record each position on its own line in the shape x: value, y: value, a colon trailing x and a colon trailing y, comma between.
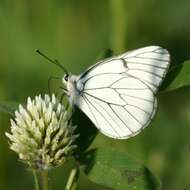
x: 86, y: 130
x: 117, y: 171
x: 8, y: 107
x: 177, y: 77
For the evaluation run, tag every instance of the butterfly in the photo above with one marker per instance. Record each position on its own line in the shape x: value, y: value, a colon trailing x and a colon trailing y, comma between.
x: 118, y: 94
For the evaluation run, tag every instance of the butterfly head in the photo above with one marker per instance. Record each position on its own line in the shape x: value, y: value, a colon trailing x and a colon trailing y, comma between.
x: 66, y: 78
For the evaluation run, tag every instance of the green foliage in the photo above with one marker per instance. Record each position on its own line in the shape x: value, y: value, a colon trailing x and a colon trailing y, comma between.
x: 177, y: 77
x: 117, y: 170
x: 87, y: 132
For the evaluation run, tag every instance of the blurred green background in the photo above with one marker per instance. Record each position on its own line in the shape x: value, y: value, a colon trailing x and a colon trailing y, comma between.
x: 77, y: 33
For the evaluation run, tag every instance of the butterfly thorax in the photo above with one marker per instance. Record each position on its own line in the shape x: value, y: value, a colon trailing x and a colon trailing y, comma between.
x: 73, y: 87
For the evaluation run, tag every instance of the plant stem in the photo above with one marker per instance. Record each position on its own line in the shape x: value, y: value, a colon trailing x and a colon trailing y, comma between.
x: 72, y: 180
x: 119, y: 23
x: 36, y: 179
x: 45, y: 180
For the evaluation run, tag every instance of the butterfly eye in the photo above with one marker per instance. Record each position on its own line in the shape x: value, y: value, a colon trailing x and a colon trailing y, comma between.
x: 66, y: 77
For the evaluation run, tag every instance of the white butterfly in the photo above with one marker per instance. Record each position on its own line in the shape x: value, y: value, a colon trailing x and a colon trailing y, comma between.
x: 118, y: 94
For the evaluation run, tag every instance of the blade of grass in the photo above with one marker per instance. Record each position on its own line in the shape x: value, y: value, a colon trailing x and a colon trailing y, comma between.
x: 119, y: 23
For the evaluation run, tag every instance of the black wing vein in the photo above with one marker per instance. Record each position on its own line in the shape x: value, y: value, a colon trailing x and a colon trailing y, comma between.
x: 102, y: 116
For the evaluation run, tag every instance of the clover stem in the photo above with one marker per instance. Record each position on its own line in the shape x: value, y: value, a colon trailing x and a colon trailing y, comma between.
x: 35, y: 179
x: 45, y: 180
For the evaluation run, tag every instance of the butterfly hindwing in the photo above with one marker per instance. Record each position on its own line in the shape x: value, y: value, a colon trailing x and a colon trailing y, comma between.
x: 119, y: 93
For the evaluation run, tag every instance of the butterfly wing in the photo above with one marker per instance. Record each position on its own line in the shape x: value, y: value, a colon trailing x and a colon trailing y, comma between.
x: 119, y: 93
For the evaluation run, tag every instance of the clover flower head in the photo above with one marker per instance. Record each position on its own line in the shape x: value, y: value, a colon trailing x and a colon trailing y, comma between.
x: 41, y: 133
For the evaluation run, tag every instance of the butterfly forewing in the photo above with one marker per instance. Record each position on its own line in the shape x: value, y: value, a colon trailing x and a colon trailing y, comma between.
x: 119, y: 93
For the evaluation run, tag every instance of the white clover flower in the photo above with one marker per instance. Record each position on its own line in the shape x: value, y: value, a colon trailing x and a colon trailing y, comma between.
x: 41, y: 133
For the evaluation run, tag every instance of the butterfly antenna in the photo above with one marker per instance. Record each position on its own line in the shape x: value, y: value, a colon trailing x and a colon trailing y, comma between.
x: 56, y: 62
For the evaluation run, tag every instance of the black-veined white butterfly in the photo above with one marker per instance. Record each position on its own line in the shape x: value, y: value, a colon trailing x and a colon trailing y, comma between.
x: 119, y: 94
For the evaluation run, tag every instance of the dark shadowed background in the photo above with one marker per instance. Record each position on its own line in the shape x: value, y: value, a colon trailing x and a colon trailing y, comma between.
x: 77, y: 33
